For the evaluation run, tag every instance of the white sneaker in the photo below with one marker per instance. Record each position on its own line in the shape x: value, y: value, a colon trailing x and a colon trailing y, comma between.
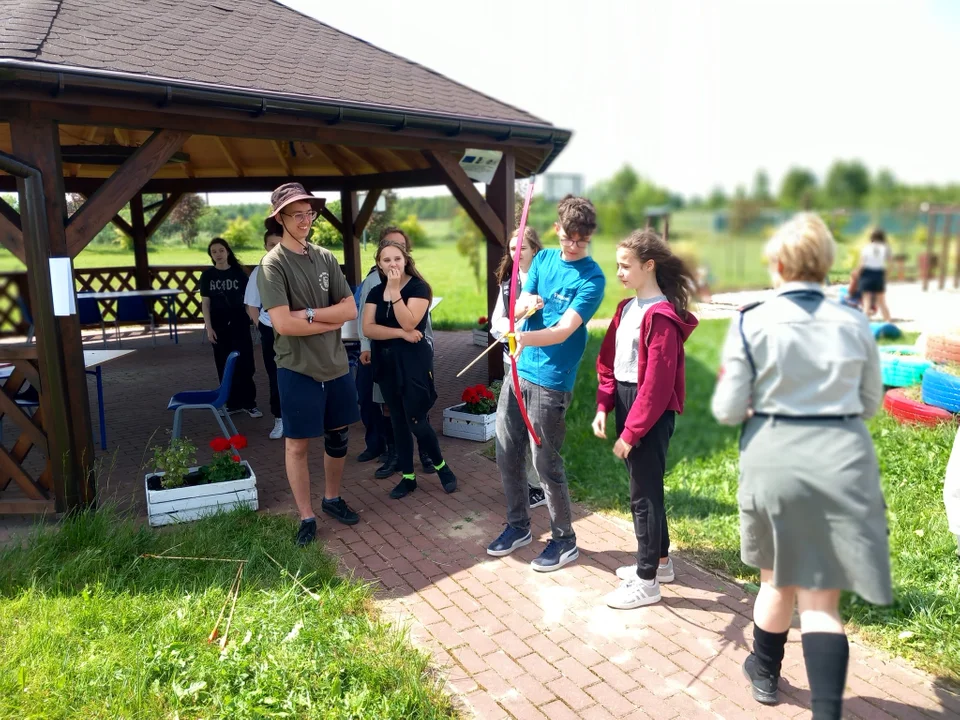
x: 665, y: 573
x: 634, y: 593
x: 277, y: 431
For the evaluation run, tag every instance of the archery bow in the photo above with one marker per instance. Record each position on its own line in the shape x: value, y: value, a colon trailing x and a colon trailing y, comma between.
x: 511, y: 338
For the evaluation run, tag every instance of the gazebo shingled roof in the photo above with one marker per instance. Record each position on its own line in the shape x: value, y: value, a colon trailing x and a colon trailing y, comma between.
x: 112, y: 99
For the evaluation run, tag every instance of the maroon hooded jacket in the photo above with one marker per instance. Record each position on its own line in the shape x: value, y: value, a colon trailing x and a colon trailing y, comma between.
x: 660, y: 368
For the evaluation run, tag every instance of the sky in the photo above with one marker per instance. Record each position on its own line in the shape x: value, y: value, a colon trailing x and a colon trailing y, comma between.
x: 699, y: 93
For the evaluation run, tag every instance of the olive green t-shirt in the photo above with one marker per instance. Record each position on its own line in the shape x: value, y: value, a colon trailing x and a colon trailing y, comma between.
x: 301, y: 281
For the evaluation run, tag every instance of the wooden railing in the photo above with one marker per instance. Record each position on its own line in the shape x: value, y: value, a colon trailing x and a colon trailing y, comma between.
x: 13, y: 285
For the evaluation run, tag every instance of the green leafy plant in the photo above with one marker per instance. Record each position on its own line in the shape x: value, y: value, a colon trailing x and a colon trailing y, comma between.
x: 174, y: 461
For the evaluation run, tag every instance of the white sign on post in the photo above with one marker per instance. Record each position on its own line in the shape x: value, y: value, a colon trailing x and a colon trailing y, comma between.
x: 61, y: 286
x: 481, y: 165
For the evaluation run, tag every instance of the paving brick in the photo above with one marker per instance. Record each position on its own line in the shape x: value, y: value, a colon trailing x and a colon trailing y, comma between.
x: 610, y: 698
x: 576, y: 672
x: 558, y: 711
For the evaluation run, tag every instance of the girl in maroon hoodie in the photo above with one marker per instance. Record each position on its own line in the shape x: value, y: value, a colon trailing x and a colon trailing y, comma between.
x: 641, y: 374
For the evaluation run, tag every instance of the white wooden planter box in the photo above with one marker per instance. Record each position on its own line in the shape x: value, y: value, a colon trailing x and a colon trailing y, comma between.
x: 480, y: 338
x: 191, y: 503
x: 468, y: 426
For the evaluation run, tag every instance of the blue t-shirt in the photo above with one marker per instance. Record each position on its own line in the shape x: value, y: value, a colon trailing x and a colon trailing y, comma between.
x: 562, y: 285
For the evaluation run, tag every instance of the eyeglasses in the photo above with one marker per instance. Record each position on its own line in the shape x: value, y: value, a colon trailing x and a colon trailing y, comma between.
x: 302, y: 217
x: 567, y: 241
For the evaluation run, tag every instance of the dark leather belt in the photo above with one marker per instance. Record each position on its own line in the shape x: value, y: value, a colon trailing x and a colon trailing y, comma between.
x: 777, y: 416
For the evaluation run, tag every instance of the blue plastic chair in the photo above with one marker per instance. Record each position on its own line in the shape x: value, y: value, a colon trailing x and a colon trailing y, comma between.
x: 27, y: 317
x: 134, y: 309
x: 88, y: 310
x: 213, y: 400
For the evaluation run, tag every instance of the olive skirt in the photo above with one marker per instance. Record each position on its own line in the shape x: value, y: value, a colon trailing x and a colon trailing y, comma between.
x: 811, y: 507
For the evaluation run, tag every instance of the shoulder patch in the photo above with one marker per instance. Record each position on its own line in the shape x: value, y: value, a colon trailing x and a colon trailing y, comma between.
x: 749, y: 306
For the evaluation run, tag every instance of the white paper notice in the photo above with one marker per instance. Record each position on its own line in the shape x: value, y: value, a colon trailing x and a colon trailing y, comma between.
x: 61, y: 286
x: 480, y: 165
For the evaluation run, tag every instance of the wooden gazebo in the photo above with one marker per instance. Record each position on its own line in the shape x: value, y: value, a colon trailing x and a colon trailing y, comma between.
x: 112, y: 99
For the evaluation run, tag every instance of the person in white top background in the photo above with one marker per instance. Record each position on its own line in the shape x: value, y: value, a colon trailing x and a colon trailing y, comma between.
x: 261, y: 320
x: 873, y: 274
x: 500, y: 326
x: 801, y: 373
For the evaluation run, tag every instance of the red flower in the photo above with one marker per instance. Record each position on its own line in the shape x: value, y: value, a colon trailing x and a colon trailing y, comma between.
x: 482, y: 320
x: 236, y: 458
x: 238, y: 442
x: 220, y: 444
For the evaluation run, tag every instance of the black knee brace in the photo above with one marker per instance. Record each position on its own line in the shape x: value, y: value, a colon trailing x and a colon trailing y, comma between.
x: 335, y: 442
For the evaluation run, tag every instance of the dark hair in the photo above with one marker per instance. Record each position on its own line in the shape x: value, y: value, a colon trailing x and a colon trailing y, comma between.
x: 231, y: 258
x: 878, y: 235
x: 577, y: 216
x: 673, y: 275
x: 410, y: 267
x: 269, y: 234
x: 273, y: 226
x: 506, y: 262
x: 390, y: 230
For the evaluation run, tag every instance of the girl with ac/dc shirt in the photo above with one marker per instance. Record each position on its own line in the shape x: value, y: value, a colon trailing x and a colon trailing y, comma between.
x: 225, y: 319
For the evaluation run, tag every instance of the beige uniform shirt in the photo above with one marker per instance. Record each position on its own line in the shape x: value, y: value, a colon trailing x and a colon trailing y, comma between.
x: 300, y: 281
x: 813, y: 357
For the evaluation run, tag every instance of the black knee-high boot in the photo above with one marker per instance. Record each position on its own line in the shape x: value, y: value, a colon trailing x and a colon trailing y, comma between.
x: 825, y: 656
x: 762, y: 666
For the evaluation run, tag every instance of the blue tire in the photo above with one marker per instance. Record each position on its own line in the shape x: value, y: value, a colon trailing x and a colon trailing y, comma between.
x: 885, y: 330
x: 901, y: 365
x: 941, y: 389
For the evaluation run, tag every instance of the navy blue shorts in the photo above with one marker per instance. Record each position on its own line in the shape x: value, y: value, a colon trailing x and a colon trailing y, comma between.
x: 310, y: 407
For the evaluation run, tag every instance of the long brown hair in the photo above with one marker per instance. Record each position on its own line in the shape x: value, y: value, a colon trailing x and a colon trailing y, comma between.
x: 410, y: 267
x: 673, y: 275
x: 506, y: 262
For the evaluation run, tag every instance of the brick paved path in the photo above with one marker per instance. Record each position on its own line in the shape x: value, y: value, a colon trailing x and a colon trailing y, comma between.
x: 510, y: 643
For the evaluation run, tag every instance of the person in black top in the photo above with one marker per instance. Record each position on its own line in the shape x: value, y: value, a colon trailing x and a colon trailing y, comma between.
x: 225, y: 318
x: 395, y: 318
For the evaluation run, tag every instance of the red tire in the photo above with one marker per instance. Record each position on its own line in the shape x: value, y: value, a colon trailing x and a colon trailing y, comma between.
x: 905, y: 410
x: 943, y: 348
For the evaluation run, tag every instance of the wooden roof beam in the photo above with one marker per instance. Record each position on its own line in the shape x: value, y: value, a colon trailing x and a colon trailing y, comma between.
x: 281, y: 157
x: 331, y: 218
x: 366, y: 211
x: 120, y: 187
x: 122, y: 137
x: 228, y: 154
x: 467, y: 195
x: 336, y: 156
x: 166, y: 207
x: 11, y: 233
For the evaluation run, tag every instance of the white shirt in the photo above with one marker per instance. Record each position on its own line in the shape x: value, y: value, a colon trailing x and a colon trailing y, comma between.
x: 810, y: 361
x: 251, y: 297
x: 628, y: 336
x: 874, y: 256
x: 500, y: 321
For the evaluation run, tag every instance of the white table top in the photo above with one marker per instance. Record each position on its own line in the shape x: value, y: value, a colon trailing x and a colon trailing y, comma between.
x: 92, y: 358
x: 114, y: 294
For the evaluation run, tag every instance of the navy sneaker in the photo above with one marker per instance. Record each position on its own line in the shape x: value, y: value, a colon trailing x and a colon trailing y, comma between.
x: 510, y: 539
x: 555, y: 555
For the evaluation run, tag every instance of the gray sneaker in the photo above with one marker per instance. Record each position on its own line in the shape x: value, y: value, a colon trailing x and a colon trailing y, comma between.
x: 634, y: 593
x: 665, y: 573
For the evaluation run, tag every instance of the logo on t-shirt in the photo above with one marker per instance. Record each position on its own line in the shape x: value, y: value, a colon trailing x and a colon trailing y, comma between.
x: 325, y: 281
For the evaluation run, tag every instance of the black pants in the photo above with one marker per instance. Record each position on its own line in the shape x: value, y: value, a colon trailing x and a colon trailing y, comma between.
x: 647, y: 464
x: 404, y: 429
x: 270, y: 365
x: 370, y: 414
x: 233, y: 333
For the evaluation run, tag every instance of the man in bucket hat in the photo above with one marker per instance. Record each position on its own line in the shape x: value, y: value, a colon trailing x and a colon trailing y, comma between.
x: 308, y: 300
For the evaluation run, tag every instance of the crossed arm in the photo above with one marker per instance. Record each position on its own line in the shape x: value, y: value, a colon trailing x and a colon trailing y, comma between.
x: 293, y: 323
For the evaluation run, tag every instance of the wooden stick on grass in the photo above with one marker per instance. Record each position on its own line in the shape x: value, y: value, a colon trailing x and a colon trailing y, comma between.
x: 236, y: 594
x: 213, y: 633
x: 286, y: 572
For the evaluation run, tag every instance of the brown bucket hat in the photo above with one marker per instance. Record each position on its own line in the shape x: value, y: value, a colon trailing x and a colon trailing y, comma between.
x: 289, y: 193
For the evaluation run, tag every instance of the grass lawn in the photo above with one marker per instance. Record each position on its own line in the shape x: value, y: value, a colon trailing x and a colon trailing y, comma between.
x: 923, y: 625
x: 90, y: 629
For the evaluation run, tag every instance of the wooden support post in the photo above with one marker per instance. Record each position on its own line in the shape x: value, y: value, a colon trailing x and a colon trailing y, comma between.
x: 351, y: 248
x: 945, y: 255
x: 63, y: 395
x: 366, y: 211
x: 931, y: 233
x: 11, y: 234
x: 139, y: 235
x: 164, y: 209
x: 500, y: 198
x: 467, y: 195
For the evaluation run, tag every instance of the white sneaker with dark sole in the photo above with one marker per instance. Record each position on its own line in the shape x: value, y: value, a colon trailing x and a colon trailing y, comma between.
x: 665, y: 573
x: 634, y: 593
x: 253, y: 412
x: 277, y: 432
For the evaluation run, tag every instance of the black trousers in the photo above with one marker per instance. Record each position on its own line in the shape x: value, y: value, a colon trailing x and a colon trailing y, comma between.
x: 647, y: 464
x: 370, y: 414
x: 270, y: 365
x: 233, y: 333
x: 405, y: 427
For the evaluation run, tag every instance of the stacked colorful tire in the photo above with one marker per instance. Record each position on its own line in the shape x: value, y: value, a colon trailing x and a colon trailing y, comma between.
x: 902, y: 366
x: 905, y: 410
x: 941, y: 389
x: 885, y: 330
x: 943, y: 348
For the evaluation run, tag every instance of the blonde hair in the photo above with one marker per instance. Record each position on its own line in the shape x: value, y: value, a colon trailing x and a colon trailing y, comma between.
x: 804, y: 247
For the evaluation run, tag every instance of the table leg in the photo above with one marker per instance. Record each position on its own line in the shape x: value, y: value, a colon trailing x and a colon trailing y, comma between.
x: 103, y: 419
x: 172, y: 307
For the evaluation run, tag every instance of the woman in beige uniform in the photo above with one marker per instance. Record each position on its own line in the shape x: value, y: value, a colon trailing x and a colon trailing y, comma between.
x: 801, y: 373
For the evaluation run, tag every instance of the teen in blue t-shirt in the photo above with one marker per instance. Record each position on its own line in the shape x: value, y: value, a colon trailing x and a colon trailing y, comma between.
x: 564, y: 288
